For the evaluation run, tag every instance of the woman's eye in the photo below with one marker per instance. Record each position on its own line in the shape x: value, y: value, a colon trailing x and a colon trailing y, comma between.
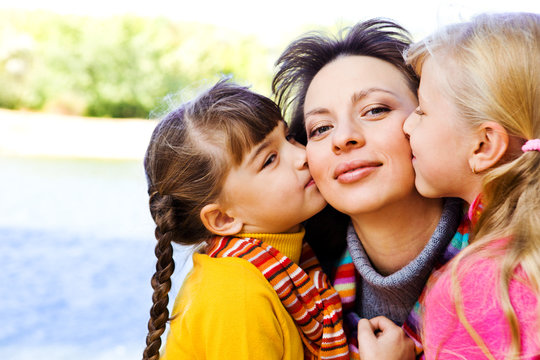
x: 270, y: 160
x: 319, y: 130
x: 377, y: 111
x: 418, y: 111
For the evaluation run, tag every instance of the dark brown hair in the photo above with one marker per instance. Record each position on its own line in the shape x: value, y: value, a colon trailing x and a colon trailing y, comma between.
x: 190, y: 153
x: 305, y: 57
x: 297, y: 66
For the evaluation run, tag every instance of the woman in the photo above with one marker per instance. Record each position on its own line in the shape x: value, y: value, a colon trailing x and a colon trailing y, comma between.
x: 349, y: 97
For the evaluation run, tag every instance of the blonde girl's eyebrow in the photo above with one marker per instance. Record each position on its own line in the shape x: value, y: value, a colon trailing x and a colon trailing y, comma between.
x: 420, y: 97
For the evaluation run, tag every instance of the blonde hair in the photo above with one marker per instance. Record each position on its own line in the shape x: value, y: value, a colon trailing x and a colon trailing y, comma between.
x: 494, y: 62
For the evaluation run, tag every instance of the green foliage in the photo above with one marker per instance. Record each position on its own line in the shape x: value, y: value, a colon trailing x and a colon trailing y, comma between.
x: 119, y: 66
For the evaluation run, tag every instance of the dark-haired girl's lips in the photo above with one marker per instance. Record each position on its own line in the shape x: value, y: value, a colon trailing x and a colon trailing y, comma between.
x: 310, y: 183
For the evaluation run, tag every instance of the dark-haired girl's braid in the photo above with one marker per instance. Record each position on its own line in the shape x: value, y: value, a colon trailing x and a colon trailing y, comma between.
x: 162, y: 212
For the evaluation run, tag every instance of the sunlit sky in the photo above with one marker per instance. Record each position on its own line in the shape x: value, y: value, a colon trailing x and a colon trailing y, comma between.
x: 282, y: 20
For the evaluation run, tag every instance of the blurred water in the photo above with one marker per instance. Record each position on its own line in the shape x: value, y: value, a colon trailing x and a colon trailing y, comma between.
x: 76, y: 256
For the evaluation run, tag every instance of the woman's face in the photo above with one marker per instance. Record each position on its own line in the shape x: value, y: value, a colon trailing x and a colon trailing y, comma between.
x: 357, y: 152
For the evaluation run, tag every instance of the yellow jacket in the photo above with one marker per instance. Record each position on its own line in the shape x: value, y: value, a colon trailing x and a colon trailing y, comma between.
x: 226, y: 309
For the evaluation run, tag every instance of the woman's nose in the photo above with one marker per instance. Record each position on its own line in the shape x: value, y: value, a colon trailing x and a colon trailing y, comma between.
x: 347, y: 136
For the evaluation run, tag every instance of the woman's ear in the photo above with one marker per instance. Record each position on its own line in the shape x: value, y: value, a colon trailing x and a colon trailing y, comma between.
x: 490, y: 145
x: 219, y: 222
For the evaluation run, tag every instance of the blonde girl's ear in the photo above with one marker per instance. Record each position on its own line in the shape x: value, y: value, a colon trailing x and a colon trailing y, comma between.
x: 218, y: 222
x: 490, y: 145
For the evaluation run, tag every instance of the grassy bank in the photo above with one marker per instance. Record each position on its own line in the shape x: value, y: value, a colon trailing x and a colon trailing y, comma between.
x: 24, y: 133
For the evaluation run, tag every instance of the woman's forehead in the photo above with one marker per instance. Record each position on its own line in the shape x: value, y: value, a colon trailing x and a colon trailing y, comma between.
x: 352, y: 77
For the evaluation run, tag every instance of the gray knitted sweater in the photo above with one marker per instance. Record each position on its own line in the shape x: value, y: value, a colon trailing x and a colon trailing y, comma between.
x: 394, y: 296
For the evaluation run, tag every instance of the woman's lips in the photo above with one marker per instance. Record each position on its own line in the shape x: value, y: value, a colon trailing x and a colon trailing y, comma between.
x: 309, y: 183
x: 355, y: 170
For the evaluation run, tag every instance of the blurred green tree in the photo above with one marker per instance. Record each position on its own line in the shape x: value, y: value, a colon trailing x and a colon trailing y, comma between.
x: 120, y: 66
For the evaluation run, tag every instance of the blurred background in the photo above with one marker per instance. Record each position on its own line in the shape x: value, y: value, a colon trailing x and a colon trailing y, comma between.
x: 81, y: 85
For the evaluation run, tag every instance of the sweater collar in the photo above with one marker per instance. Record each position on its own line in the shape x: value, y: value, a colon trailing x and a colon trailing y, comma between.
x: 289, y: 244
x: 418, y: 268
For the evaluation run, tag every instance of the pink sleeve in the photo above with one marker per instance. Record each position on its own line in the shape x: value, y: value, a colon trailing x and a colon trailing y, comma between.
x: 446, y: 338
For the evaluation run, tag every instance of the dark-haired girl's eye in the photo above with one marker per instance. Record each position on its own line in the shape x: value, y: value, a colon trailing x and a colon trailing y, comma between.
x: 290, y: 137
x: 270, y: 160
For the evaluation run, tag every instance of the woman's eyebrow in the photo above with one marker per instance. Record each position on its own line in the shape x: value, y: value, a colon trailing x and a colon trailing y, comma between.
x: 316, y: 111
x: 357, y: 96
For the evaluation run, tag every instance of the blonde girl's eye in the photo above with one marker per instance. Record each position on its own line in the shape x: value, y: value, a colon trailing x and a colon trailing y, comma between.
x: 418, y: 111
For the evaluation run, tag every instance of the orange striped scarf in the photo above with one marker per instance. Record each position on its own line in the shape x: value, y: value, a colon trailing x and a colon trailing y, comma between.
x: 304, y: 290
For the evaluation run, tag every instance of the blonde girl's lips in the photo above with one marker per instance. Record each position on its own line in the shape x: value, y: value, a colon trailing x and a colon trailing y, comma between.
x: 310, y: 183
x: 354, y: 171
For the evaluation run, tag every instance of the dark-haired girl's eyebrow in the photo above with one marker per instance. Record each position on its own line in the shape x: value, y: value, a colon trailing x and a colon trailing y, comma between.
x: 285, y: 128
x: 263, y: 145
x: 258, y: 150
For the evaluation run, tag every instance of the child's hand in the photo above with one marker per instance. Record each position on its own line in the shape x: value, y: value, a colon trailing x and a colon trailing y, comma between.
x: 380, y: 338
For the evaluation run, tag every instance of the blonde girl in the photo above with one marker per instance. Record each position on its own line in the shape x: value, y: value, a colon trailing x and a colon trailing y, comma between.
x: 223, y: 174
x: 476, y: 131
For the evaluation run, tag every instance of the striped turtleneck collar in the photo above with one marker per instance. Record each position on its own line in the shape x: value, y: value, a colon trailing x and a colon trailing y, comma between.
x: 289, y: 244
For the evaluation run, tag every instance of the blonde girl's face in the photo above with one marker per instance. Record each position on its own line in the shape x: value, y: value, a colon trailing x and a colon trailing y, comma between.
x: 272, y: 191
x: 438, y: 139
x: 357, y: 152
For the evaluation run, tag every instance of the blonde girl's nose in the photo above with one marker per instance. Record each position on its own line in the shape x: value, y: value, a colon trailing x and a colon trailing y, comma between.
x: 410, y: 123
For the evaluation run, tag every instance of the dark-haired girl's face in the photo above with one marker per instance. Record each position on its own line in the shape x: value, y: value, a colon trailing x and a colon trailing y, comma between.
x: 358, y: 154
x: 272, y: 190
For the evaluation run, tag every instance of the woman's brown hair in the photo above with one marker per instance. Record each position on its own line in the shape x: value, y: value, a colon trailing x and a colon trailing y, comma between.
x: 297, y: 66
x: 305, y: 57
x: 190, y: 153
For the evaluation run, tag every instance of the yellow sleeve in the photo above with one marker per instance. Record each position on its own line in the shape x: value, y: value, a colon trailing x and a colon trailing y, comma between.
x: 227, y: 310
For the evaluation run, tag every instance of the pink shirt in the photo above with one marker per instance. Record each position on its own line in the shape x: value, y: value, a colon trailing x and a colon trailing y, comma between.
x: 443, y: 331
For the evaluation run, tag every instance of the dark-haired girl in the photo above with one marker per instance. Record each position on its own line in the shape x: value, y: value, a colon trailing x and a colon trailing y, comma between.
x: 224, y: 174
